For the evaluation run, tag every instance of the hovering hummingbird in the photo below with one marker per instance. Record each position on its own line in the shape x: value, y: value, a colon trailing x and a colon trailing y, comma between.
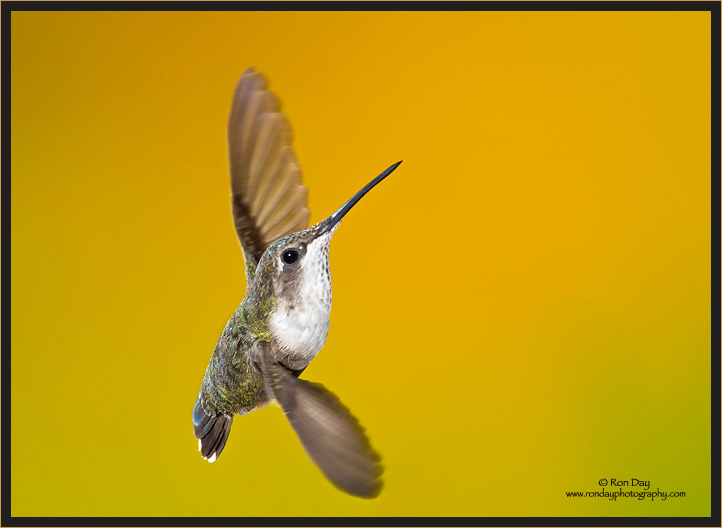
x: 282, y: 322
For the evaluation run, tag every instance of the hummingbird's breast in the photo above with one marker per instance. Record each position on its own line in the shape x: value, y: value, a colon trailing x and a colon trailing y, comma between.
x: 300, y: 322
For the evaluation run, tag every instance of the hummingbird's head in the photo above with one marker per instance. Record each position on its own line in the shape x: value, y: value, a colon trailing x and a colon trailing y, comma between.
x: 298, y: 265
x: 297, y: 270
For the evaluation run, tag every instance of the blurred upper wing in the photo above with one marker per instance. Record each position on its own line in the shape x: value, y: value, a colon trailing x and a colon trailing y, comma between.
x: 269, y: 199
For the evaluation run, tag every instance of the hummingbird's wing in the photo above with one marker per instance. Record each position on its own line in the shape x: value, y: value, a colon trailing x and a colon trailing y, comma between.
x: 268, y: 197
x: 330, y: 434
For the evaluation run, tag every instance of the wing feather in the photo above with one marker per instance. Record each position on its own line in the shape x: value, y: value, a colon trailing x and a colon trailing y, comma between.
x: 268, y: 197
x: 330, y: 434
x: 283, y: 185
x: 285, y: 213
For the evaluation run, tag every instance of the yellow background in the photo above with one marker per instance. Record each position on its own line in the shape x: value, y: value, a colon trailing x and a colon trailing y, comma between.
x: 520, y: 310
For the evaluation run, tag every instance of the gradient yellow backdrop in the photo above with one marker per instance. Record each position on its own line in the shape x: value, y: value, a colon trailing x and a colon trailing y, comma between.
x: 520, y: 310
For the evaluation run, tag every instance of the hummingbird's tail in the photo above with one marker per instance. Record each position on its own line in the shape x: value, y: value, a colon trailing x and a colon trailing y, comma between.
x: 211, y: 430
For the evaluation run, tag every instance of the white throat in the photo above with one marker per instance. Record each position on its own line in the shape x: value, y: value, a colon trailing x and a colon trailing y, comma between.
x: 300, y: 325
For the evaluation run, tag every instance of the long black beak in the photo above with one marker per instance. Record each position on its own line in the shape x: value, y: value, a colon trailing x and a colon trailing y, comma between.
x: 336, y: 217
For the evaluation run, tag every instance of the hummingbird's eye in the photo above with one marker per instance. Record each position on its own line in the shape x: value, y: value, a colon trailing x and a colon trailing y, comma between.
x: 290, y: 256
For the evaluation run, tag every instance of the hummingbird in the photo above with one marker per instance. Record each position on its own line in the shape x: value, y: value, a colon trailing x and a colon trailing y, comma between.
x: 283, y: 320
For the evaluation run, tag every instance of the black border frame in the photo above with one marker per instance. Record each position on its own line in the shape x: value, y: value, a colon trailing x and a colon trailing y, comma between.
x: 6, y: 517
